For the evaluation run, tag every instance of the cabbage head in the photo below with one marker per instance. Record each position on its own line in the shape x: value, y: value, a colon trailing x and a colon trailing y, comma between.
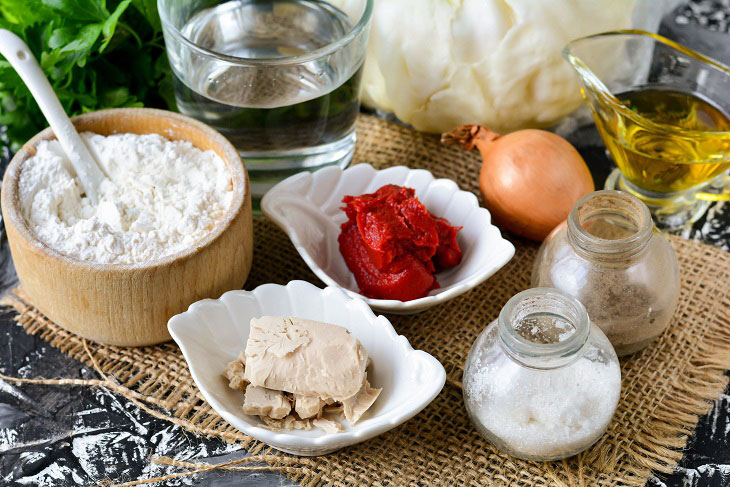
x: 437, y: 64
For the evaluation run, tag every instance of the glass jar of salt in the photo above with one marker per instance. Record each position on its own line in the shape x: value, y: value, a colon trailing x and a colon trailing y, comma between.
x: 541, y: 382
x: 609, y: 255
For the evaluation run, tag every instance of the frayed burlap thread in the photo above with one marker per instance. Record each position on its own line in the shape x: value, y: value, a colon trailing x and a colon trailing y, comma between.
x: 665, y: 388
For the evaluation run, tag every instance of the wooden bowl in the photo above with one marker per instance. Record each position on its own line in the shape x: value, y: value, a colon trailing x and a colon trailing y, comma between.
x: 129, y: 304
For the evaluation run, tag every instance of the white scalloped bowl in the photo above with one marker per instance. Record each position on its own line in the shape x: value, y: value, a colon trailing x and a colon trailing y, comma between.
x: 307, y: 207
x: 211, y: 333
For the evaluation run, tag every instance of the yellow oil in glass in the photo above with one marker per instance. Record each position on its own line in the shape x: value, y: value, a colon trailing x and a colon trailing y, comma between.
x: 685, y: 144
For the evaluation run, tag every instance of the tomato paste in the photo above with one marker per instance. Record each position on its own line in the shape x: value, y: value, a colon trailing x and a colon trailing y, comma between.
x: 393, y: 245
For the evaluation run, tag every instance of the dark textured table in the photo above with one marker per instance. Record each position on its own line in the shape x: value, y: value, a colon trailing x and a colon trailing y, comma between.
x: 59, y: 436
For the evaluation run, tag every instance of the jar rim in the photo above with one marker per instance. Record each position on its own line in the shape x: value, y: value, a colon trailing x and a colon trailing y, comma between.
x: 615, y: 203
x: 532, y: 353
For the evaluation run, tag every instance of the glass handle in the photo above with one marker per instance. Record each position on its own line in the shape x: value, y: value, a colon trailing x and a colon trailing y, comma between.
x: 723, y: 184
x: 724, y: 196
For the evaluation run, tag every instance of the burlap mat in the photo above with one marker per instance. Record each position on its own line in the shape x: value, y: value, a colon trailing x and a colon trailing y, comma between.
x: 665, y: 387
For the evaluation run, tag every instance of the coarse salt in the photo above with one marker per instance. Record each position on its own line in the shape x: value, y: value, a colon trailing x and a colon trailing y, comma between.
x: 545, y: 413
x: 160, y: 197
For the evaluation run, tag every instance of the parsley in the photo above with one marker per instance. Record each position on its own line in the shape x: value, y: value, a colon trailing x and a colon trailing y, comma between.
x: 96, y: 53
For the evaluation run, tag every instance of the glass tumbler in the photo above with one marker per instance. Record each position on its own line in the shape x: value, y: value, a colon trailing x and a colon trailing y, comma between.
x: 279, y: 78
x: 541, y: 382
x: 609, y: 255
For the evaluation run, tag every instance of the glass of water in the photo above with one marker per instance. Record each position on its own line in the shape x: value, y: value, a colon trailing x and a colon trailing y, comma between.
x: 279, y: 78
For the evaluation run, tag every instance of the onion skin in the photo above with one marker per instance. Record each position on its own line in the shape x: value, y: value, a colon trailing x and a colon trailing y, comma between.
x: 530, y: 179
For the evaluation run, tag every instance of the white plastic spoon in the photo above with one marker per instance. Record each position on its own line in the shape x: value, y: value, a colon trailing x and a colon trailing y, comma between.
x: 19, y: 56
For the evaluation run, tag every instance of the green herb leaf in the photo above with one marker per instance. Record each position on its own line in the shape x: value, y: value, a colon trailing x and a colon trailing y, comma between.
x: 85, y: 10
x: 96, y: 53
x: 148, y: 9
x: 23, y: 12
x: 110, y: 24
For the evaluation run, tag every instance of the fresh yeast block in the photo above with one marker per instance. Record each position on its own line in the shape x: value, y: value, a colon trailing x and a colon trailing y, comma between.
x: 304, y: 357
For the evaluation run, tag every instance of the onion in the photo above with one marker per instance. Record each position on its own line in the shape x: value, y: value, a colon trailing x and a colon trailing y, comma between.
x: 530, y: 179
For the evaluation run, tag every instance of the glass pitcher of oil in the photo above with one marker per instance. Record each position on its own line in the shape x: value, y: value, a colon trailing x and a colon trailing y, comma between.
x: 663, y: 112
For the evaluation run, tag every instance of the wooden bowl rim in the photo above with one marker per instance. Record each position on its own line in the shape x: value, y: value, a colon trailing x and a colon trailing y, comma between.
x: 226, y: 150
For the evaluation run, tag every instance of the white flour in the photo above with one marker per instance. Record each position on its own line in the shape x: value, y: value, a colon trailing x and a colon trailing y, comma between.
x: 160, y: 197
